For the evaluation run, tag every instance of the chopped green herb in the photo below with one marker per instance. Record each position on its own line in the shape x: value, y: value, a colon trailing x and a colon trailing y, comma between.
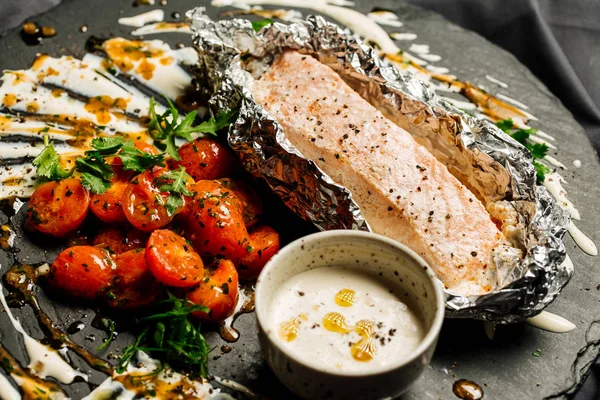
x: 47, y: 163
x: 137, y: 160
x: 174, y: 335
x: 95, y: 172
x: 537, y: 353
x: 258, y: 25
x: 506, y: 125
x: 107, y: 145
x: 110, y: 325
x: 541, y: 170
x: 175, y: 183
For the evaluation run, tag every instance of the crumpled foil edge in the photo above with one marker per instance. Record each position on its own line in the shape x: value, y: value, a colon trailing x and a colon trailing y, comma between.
x: 497, y: 166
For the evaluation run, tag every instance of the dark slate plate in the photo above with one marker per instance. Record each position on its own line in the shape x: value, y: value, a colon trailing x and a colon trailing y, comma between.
x: 505, y: 366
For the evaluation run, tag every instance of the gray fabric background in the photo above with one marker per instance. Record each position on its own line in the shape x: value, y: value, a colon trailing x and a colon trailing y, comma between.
x: 559, y: 40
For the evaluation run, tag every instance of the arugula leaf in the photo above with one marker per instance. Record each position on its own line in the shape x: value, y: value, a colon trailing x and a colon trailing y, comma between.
x: 506, y: 125
x: 47, y: 163
x: 107, y: 145
x: 174, y: 182
x: 257, y: 25
x: 137, y: 160
x: 174, y: 335
x: 164, y: 128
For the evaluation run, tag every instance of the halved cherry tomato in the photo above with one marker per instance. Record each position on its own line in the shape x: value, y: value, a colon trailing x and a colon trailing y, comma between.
x: 119, y: 239
x: 172, y: 260
x: 214, y: 221
x: 108, y: 206
x: 205, y: 159
x: 134, y: 286
x: 264, y: 243
x: 251, y: 203
x: 57, y: 208
x: 82, y: 271
x: 144, y: 204
x: 218, y: 291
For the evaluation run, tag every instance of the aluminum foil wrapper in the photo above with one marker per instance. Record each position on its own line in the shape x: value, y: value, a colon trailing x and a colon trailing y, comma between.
x: 489, y: 162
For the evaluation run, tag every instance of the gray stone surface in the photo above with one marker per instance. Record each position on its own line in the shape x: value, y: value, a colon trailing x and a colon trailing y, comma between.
x: 505, y: 366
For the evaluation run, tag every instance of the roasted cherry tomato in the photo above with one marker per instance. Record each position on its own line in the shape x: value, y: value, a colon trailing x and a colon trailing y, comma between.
x: 205, y: 159
x: 108, y: 206
x: 218, y: 291
x: 214, y: 221
x: 264, y: 243
x: 57, y: 208
x: 251, y: 204
x: 144, y: 204
x: 119, y: 239
x: 172, y: 260
x: 82, y: 271
x: 134, y: 285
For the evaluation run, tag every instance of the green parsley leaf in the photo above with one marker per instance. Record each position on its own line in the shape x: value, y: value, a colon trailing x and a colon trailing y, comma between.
x: 520, y: 136
x: 174, y: 182
x: 137, y: 160
x: 94, y: 183
x: 541, y: 170
x: 47, y: 163
x: 538, y: 150
x: 107, y: 145
x: 257, y: 25
x: 506, y: 125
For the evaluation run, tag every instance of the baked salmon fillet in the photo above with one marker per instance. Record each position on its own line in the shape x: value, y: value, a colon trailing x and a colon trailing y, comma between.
x: 403, y: 191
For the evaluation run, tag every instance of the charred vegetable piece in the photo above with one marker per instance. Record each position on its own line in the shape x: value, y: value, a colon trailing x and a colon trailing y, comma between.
x: 215, y: 224
x: 218, y: 291
x: 264, y: 243
x: 134, y: 286
x: 172, y: 260
x: 205, y: 159
x: 119, y: 239
x: 57, y: 208
x: 83, y: 272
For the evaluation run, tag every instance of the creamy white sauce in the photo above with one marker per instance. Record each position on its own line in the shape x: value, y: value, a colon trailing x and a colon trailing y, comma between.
x: 551, y: 322
x: 537, y: 139
x: 403, y: 36
x: 553, y: 183
x: 161, y: 28
x: 419, y: 48
x: 555, y: 162
x: 385, y: 18
x: 496, y: 81
x: 43, y: 360
x: 431, y: 57
x: 311, y: 295
x: 463, y: 105
x: 585, y: 243
x: 7, y: 390
x: 577, y: 164
x: 512, y: 101
x: 437, y: 70
x: 139, y: 20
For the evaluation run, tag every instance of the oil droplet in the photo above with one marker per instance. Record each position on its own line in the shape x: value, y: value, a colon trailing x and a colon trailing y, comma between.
x: 288, y: 330
x: 345, y: 298
x: 364, y: 328
x: 303, y: 316
x: 335, y: 322
x: 364, y: 349
x: 467, y: 390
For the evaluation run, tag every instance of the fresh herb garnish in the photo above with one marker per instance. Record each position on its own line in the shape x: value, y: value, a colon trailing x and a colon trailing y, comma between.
x: 173, y: 334
x: 258, y: 25
x: 110, y: 325
x: 164, y: 128
x: 47, y: 163
x: 174, y: 182
x: 137, y: 160
x: 537, y: 150
x: 107, y: 145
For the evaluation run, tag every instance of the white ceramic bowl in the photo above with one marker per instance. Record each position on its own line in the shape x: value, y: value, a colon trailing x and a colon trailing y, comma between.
x: 398, y: 264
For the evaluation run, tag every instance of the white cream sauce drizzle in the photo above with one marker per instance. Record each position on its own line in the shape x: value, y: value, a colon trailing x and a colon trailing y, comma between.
x: 403, y: 36
x: 143, y: 19
x: 43, y: 360
x: 385, y: 18
x: 162, y: 28
x: 585, y: 243
x: 463, y: 105
x: 577, y: 164
x: 555, y: 162
x: 551, y: 322
x: 437, y: 70
x: 496, y: 81
x: 7, y: 390
x: 553, y: 183
x: 512, y: 101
